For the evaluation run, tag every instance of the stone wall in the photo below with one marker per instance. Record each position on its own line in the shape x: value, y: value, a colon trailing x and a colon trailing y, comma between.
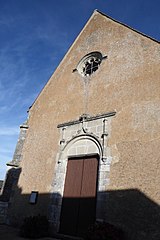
x: 3, y: 212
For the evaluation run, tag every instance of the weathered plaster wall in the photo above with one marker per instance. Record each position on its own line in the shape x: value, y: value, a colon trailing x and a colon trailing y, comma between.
x: 128, y: 81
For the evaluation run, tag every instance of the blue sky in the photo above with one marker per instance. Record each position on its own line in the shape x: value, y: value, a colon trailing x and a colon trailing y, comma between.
x: 35, y: 35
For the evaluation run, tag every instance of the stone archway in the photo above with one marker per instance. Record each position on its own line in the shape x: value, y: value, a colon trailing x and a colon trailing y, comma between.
x: 81, y: 139
x: 84, y: 144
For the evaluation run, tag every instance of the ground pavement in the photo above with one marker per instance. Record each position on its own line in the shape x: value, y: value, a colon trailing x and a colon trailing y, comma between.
x: 10, y: 233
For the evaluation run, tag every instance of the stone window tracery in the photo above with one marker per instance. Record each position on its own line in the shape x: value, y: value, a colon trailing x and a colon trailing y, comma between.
x: 89, y: 63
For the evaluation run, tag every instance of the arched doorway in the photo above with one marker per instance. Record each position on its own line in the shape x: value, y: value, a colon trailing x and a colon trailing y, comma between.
x: 82, y: 146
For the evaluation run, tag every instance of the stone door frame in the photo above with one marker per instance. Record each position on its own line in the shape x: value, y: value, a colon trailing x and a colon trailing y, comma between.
x: 81, y: 138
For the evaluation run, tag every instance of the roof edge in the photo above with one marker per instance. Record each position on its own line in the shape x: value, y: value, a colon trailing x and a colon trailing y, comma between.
x: 125, y: 25
x: 74, y: 41
x: 63, y: 58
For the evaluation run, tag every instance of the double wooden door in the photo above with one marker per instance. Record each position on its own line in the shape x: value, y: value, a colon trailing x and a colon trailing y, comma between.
x: 79, y: 199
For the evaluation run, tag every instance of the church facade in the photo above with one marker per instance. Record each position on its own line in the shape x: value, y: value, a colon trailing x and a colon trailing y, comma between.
x: 89, y: 150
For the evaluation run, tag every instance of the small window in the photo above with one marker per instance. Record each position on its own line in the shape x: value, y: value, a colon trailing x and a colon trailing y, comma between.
x: 33, y: 197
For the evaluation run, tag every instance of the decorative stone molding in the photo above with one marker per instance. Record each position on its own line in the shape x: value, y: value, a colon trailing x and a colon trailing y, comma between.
x: 84, y: 137
x: 89, y: 63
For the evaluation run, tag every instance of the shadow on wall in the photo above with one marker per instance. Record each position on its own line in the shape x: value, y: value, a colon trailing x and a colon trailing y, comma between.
x: 10, y: 182
x: 130, y: 210
x: 138, y: 215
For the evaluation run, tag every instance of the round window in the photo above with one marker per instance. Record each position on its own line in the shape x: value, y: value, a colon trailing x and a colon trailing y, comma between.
x: 89, y: 63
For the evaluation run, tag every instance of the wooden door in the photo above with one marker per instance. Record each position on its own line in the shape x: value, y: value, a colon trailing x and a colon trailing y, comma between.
x: 79, y: 200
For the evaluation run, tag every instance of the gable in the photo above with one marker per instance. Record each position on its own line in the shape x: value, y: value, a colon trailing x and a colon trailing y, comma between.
x: 129, y: 55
